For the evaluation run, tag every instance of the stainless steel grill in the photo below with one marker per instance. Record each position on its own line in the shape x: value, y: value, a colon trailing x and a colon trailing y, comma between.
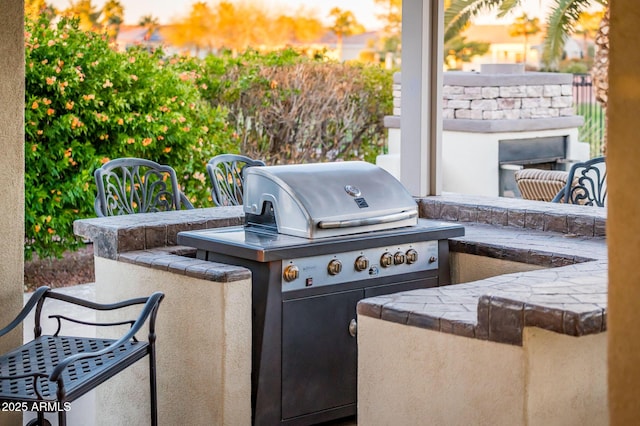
x: 326, y: 199
x: 318, y: 238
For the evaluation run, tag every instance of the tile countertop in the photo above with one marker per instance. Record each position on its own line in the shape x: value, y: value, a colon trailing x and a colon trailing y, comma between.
x: 570, y: 297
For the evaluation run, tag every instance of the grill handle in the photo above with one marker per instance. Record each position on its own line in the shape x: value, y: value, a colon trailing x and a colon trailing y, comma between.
x: 351, y: 223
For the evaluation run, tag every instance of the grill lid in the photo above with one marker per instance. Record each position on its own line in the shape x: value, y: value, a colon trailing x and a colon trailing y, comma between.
x: 326, y: 199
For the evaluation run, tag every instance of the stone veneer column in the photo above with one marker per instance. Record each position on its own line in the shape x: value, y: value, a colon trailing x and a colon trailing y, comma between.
x: 11, y: 172
x: 623, y: 227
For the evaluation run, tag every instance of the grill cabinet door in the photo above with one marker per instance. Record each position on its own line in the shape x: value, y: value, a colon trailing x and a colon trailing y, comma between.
x: 319, y: 356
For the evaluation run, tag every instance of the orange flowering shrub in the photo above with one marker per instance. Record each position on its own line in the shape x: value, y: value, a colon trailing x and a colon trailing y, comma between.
x: 85, y: 104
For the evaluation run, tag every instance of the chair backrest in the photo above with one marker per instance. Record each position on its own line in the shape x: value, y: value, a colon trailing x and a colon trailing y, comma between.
x: 226, y: 173
x: 136, y: 185
x: 586, y: 184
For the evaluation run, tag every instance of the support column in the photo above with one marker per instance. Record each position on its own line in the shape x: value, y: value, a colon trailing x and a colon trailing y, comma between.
x: 11, y: 163
x: 421, y: 105
x: 11, y: 173
x: 623, y: 221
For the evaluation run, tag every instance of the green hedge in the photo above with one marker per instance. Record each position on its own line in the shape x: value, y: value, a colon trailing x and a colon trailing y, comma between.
x: 87, y: 103
x: 287, y: 108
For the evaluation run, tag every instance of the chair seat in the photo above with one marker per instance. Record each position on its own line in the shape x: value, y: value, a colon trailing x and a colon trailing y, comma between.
x: 41, y: 356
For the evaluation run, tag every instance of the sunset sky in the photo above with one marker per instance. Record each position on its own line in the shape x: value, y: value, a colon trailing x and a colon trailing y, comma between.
x: 364, y: 10
x: 166, y: 10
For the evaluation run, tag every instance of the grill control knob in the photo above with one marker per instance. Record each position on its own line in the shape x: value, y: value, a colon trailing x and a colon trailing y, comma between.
x: 361, y: 263
x: 398, y: 258
x: 412, y: 256
x: 386, y: 260
x: 290, y: 273
x: 334, y: 267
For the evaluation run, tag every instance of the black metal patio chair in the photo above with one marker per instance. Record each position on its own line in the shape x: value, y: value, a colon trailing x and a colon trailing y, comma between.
x: 136, y: 185
x: 226, y: 176
x: 586, y: 184
x: 51, y: 371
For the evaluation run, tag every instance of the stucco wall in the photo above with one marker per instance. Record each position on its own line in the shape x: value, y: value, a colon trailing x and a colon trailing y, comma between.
x: 450, y: 380
x: 476, y: 172
x: 567, y: 379
x: 11, y: 172
x: 203, y: 347
x: 412, y: 376
x: 468, y: 267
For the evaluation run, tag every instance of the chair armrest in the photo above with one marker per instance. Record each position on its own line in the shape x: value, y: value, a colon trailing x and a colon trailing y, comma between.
x: 40, y: 293
x: 150, y: 309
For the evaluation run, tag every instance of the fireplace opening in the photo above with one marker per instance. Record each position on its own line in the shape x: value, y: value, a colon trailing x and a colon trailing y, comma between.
x: 547, y: 153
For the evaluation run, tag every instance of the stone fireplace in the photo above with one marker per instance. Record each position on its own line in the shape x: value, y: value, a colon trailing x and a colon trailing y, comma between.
x: 496, y: 121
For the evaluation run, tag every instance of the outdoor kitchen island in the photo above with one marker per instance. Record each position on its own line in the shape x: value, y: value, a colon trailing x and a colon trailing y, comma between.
x: 204, y: 355
x: 521, y: 348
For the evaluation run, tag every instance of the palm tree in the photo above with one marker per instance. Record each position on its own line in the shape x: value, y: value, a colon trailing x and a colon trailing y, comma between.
x: 344, y: 24
x: 35, y: 8
x: 564, y: 20
x: 390, y: 41
x: 392, y: 17
x: 587, y: 26
x: 150, y: 23
x: 600, y: 71
x: 196, y: 31
x: 112, y: 17
x: 306, y: 27
x: 524, y: 26
x: 560, y: 23
x: 459, y: 50
x: 86, y: 12
x: 458, y: 13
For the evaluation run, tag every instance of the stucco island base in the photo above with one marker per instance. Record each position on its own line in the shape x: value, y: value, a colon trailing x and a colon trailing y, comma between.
x: 203, y: 349
x: 413, y: 376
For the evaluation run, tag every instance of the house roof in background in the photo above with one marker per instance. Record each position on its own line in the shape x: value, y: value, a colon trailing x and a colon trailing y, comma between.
x: 359, y: 39
x: 131, y: 34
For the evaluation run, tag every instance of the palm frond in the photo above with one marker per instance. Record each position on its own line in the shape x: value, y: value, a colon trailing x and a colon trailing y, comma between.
x: 560, y: 23
x: 460, y: 12
x: 507, y: 6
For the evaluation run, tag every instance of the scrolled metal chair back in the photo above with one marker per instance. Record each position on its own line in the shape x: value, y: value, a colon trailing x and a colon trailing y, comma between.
x: 226, y: 173
x: 586, y: 184
x: 135, y: 185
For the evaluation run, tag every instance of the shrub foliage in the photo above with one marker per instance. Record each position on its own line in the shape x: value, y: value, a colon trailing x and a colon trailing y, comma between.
x: 87, y: 103
x: 287, y: 108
